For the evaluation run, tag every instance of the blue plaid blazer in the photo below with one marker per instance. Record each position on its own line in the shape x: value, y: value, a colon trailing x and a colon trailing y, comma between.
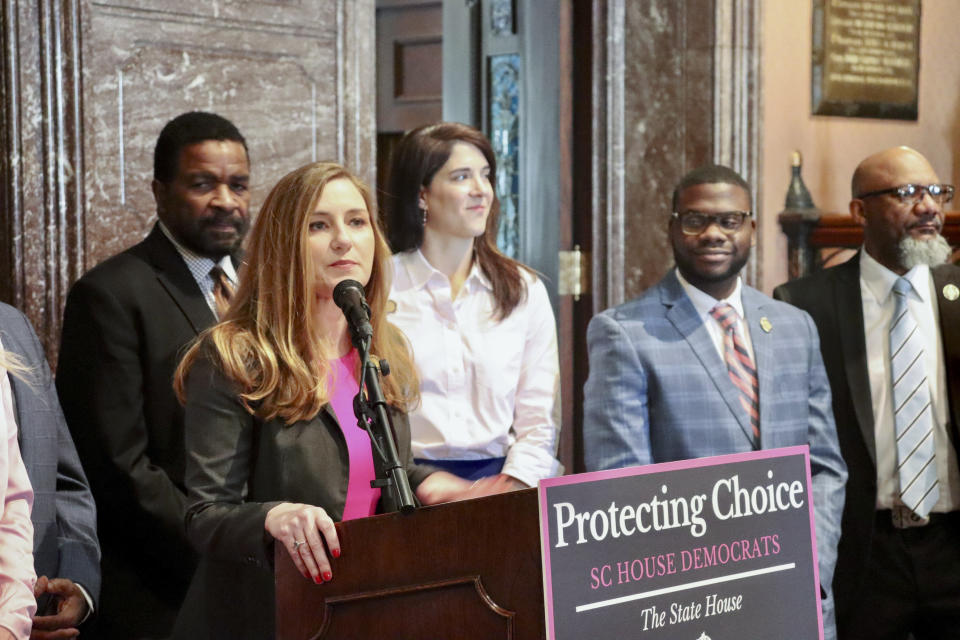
x: 658, y: 391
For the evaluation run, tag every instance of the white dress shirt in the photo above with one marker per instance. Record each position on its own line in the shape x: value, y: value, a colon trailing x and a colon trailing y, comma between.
x: 703, y: 302
x: 488, y: 388
x: 876, y: 291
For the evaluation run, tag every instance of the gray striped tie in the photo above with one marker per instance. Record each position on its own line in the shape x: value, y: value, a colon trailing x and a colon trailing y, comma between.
x: 913, y: 413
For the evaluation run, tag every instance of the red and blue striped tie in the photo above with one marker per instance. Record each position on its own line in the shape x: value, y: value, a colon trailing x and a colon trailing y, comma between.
x: 743, y: 373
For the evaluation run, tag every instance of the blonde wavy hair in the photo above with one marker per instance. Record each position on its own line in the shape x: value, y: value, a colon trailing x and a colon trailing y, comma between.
x: 268, y: 342
x: 14, y: 365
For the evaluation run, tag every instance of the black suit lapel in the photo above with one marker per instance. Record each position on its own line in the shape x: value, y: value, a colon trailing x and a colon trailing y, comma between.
x: 176, y: 279
x: 946, y: 280
x: 849, y: 305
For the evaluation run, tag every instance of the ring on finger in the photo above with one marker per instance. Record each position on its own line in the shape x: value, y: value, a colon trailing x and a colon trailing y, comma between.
x: 297, y: 544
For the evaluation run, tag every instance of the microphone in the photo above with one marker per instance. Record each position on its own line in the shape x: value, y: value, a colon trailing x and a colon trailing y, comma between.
x: 349, y: 296
x: 372, y: 411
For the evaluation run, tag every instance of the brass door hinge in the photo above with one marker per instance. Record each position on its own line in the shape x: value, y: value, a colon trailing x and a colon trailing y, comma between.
x: 574, y: 273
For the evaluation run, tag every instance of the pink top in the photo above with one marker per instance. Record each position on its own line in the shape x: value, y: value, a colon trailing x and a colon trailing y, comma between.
x: 361, y: 497
x: 16, y: 532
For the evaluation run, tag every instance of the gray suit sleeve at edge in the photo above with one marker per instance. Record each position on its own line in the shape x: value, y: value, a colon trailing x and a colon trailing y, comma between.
x: 78, y: 548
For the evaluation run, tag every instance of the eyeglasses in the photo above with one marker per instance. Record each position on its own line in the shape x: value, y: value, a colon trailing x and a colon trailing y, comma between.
x: 694, y: 223
x: 913, y: 193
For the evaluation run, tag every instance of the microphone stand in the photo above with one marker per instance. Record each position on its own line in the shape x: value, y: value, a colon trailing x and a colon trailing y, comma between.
x: 373, y: 417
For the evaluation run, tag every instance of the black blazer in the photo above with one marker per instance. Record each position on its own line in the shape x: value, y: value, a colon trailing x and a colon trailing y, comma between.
x: 126, y: 323
x: 832, y: 298
x: 238, y: 468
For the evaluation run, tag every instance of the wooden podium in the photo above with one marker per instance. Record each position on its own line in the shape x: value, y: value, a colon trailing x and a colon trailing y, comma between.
x: 460, y: 570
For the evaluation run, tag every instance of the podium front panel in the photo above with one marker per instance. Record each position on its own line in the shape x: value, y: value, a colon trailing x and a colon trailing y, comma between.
x: 459, y: 570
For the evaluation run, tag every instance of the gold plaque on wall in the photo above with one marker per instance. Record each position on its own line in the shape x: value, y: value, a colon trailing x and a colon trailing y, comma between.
x: 866, y: 58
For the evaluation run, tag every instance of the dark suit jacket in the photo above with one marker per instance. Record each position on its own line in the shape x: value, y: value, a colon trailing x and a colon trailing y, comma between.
x: 832, y: 298
x: 238, y: 468
x: 64, y: 517
x: 126, y: 323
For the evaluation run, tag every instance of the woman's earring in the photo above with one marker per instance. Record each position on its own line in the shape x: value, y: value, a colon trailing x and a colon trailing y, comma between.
x: 424, y: 211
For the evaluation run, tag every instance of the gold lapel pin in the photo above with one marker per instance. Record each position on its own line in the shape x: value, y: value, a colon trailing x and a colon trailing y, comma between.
x: 951, y: 292
x: 765, y: 324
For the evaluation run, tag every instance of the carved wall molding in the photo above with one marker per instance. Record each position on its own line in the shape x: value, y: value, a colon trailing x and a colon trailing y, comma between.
x: 674, y: 85
x: 42, y: 167
x: 608, y: 193
x: 11, y: 172
x: 356, y: 97
x: 737, y: 100
x: 302, y: 29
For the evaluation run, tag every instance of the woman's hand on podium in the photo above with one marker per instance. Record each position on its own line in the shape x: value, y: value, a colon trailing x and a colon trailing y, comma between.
x: 446, y: 487
x: 442, y: 486
x: 490, y: 485
x: 299, y: 527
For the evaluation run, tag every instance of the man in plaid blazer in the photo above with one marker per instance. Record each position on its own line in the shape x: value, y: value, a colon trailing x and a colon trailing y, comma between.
x: 661, y: 385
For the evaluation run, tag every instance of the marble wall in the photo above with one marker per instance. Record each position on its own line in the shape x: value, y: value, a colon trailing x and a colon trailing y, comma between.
x: 675, y: 86
x: 87, y: 86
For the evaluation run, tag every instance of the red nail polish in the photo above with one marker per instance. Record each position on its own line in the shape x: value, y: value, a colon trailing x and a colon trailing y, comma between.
x: 327, y: 576
x: 336, y: 553
x: 318, y: 580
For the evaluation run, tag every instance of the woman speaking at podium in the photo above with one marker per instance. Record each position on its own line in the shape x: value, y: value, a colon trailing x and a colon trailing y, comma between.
x: 483, y: 334
x: 274, y: 453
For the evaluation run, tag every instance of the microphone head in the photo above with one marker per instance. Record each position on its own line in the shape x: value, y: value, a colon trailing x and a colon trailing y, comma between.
x: 343, y: 291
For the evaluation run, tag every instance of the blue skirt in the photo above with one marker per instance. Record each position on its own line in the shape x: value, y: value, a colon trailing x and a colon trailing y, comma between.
x: 467, y: 469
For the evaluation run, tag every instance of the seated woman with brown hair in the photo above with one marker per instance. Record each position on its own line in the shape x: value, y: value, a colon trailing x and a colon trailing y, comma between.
x: 273, y: 451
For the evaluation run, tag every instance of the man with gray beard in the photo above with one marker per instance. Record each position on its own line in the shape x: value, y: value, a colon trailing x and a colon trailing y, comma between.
x: 889, y: 323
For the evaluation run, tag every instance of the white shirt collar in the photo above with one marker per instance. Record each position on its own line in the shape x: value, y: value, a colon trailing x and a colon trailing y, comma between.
x: 703, y: 302
x: 879, y: 280
x: 196, y: 262
x: 421, y: 272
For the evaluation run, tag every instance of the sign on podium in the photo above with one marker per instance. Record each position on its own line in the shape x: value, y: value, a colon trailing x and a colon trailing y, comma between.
x: 704, y: 549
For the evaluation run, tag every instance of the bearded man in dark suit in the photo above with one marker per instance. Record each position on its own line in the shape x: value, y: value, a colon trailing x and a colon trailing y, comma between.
x: 889, y: 324
x: 127, y: 322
